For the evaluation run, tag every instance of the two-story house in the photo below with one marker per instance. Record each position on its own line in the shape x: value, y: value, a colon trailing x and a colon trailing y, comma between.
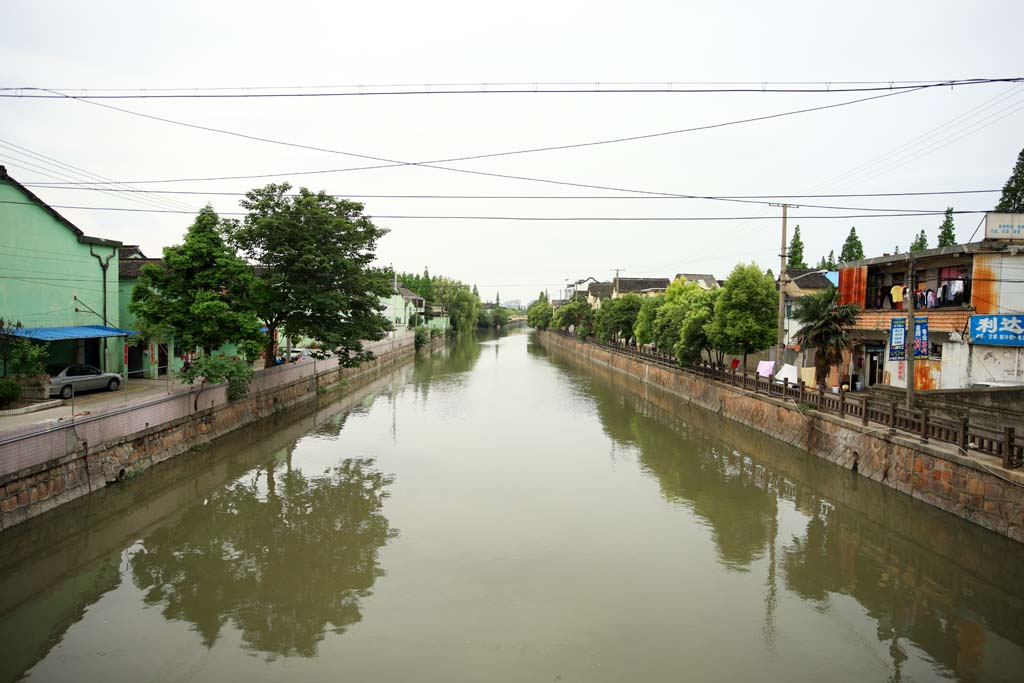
x: 968, y: 310
x: 58, y: 282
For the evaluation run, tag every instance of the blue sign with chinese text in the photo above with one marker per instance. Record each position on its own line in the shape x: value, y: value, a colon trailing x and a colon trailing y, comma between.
x: 921, y: 338
x: 898, y: 338
x: 997, y: 330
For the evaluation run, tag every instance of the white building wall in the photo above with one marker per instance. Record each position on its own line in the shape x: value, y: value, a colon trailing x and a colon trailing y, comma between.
x: 999, y: 364
x: 956, y: 358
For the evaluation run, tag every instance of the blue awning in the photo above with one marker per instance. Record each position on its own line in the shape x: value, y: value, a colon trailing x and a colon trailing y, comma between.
x: 76, y: 332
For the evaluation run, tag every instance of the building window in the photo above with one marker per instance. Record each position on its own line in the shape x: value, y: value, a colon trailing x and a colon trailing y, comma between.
x: 954, y: 286
x: 935, y: 352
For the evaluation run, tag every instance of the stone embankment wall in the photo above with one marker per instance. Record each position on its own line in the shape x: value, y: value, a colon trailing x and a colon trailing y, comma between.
x: 971, y: 486
x: 33, y: 491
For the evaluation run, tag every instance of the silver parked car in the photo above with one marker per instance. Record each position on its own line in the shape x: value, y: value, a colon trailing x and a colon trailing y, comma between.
x: 65, y: 379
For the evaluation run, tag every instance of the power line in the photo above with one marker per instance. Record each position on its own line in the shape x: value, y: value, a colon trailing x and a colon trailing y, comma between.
x: 885, y: 159
x: 387, y: 163
x: 241, y: 92
x: 342, y: 196
x: 524, y: 218
x: 49, y: 172
x: 74, y: 172
x: 59, y: 186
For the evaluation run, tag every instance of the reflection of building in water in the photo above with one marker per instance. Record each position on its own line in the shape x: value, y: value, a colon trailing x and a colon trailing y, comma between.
x: 928, y: 599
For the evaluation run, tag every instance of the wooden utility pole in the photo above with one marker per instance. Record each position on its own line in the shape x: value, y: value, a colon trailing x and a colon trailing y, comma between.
x: 910, y: 336
x: 780, y: 351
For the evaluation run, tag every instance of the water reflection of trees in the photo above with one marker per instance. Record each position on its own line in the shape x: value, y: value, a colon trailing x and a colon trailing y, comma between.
x: 446, y: 366
x: 924, y: 578
x: 698, y: 472
x: 282, y: 556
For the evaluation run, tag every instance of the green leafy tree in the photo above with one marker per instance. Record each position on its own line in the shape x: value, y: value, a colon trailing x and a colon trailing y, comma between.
x: 420, y: 284
x: 459, y: 302
x: 497, y: 299
x: 669, y: 321
x: 201, y: 291
x: 947, y: 232
x: 796, y: 250
x: 314, y: 274
x: 920, y: 242
x: 9, y: 341
x: 476, y: 292
x: 617, y: 317
x: 576, y: 314
x: 824, y: 322
x: 643, y: 330
x: 484, y: 318
x: 852, y: 250
x: 10, y: 392
x: 499, y: 317
x: 828, y: 263
x: 215, y: 369
x: 745, y: 312
x: 1012, y: 199
x: 19, y: 356
x: 696, y: 330
x: 421, y: 338
x: 539, y: 314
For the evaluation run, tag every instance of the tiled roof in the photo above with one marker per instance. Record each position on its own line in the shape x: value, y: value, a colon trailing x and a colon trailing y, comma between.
x: 628, y: 285
x: 130, y: 251
x: 705, y: 280
x: 810, y: 278
x: 128, y: 269
x: 601, y: 290
x: 408, y: 293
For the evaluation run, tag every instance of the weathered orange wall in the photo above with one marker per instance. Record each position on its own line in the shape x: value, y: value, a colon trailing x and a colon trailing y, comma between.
x: 985, y: 288
x: 853, y: 285
x: 927, y: 374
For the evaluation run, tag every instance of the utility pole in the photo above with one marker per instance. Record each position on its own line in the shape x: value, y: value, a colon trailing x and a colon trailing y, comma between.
x: 780, y: 351
x: 615, y: 282
x: 910, y: 335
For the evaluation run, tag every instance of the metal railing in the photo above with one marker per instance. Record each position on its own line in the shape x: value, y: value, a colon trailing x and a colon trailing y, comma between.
x: 1002, y: 443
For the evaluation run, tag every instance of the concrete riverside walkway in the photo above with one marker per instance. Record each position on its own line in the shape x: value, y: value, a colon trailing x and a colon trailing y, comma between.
x: 137, y: 391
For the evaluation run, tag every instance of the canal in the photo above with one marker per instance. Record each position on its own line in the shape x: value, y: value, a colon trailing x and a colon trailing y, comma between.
x: 493, y: 512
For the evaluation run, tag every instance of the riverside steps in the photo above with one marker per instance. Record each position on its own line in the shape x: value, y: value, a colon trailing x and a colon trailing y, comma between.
x: 967, y: 470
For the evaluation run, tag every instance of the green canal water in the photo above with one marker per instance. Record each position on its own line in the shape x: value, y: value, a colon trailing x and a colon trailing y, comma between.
x: 495, y: 512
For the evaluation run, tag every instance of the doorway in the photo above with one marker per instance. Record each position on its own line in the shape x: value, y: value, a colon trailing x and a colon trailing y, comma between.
x: 874, y: 365
x: 161, y: 359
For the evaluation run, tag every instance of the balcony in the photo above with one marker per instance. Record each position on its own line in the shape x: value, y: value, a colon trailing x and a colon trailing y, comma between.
x: 939, y: 319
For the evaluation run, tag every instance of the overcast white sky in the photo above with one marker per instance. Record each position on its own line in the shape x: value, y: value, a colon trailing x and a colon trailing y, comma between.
x: 182, y: 44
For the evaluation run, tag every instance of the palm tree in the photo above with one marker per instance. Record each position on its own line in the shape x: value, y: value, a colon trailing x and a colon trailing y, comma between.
x: 824, y: 322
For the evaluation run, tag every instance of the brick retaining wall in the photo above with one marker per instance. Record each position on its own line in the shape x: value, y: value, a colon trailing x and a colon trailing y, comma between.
x: 961, y: 484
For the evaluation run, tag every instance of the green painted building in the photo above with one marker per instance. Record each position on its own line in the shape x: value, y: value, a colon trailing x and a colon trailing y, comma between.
x: 58, y: 282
